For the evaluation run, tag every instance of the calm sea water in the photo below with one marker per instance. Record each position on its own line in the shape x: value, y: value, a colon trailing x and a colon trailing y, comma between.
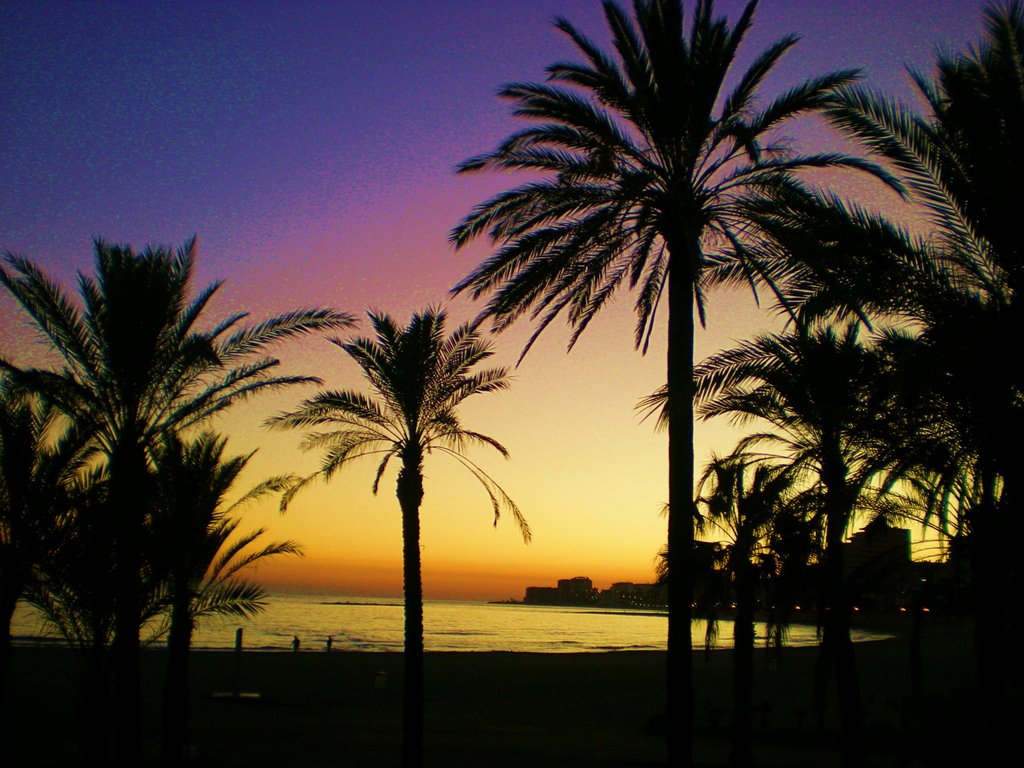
x: 371, y: 624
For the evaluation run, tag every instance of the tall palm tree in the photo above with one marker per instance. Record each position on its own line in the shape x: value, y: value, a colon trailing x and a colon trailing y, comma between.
x: 135, y: 364
x: 419, y: 376
x: 39, y: 459
x: 817, y: 389
x: 196, y: 557
x: 641, y: 165
x: 744, y: 497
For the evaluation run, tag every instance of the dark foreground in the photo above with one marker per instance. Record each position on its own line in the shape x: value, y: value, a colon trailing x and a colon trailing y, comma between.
x: 503, y: 709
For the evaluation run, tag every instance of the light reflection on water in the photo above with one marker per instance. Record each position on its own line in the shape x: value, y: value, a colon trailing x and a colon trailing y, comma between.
x: 361, y: 624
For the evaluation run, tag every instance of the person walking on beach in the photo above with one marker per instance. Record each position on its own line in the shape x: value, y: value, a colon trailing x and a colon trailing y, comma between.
x: 330, y: 642
x: 295, y: 643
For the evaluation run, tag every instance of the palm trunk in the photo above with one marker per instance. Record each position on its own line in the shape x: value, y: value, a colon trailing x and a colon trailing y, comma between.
x: 679, y: 664
x: 93, y: 704
x: 988, y: 564
x: 837, y: 645
x: 1009, y: 520
x: 743, y: 670
x: 174, y: 721
x: 8, y: 601
x: 128, y: 474
x: 851, y: 709
x: 410, y: 495
x: 1010, y: 516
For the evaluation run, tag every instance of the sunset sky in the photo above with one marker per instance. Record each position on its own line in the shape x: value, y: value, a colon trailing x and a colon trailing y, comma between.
x: 311, y: 148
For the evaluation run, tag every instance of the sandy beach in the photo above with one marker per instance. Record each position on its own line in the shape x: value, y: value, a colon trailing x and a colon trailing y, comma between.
x: 514, y: 709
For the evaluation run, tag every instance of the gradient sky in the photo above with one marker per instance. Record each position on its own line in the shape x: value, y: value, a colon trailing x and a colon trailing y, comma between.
x: 311, y: 148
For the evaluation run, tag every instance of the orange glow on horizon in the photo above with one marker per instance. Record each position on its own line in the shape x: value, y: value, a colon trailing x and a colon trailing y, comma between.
x: 454, y: 582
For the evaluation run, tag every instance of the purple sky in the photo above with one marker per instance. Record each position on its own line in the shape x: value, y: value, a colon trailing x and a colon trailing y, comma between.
x: 311, y: 148
x: 258, y: 124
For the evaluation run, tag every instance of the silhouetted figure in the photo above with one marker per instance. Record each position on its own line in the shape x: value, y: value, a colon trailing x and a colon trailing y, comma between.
x: 295, y: 643
x: 330, y: 642
x: 238, y: 660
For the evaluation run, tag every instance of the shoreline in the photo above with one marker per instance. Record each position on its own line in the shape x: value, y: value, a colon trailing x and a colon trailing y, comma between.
x: 875, y: 626
x: 507, y: 708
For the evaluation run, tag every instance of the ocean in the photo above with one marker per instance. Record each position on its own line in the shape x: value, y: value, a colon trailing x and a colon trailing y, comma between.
x: 375, y: 624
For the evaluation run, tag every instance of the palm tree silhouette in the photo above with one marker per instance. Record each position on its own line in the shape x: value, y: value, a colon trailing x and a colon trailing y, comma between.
x: 40, y: 456
x: 419, y: 377
x: 959, y: 286
x: 744, y: 497
x: 135, y: 366
x: 195, y: 560
x: 73, y: 590
x: 818, y: 390
x: 646, y: 165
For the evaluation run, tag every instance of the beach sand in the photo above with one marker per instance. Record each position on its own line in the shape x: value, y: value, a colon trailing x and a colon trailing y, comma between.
x: 512, y: 709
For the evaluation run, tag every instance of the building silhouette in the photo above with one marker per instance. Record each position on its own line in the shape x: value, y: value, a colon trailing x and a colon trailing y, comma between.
x: 880, y: 575
x: 579, y: 591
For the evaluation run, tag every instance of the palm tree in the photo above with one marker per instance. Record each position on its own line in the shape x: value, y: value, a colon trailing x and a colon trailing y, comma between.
x: 135, y: 364
x: 39, y: 459
x: 641, y: 166
x: 818, y: 391
x: 768, y: 541
x: 419, y: 376
x: 744, y: 497
x: 73, y: 590
x: 196, y: 560
x: 958, y: 287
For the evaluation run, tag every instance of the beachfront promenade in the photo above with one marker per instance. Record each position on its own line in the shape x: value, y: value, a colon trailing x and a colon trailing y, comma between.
x: 511, y: 709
